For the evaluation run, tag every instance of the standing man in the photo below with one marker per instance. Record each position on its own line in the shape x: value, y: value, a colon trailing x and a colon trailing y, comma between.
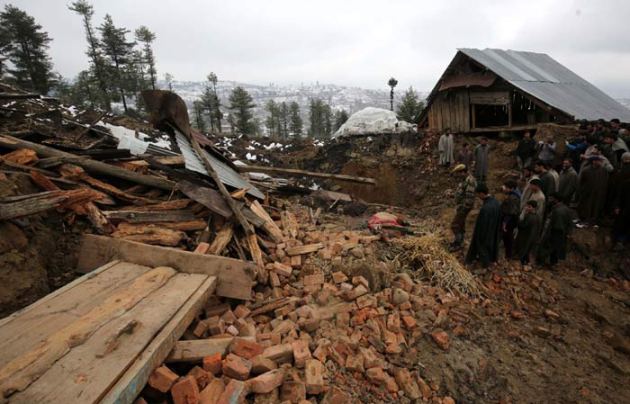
x: 510, y: 210
x: 621, y: 203
x: 525, y: 151
x: 548, y: 181
x: 592, y: 187
x: 446, y: 148
x: 465, y: 156
x: 484, y: 245
x: 568, y: 181
x: 547, y: 151
x: 465, y: 199
x: 536, y: 194
x: 528, y: 232
x: 555, y: 232
x: 481, y: 160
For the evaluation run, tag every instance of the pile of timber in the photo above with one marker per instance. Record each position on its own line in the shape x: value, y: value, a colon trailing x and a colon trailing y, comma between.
x: 310, y: 334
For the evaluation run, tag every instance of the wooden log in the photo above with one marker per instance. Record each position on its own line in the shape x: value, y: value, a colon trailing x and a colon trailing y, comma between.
x: 222, y: 239
x: 150, y: 234
x: 292, y: 171
x: 196, y: 350
x: 23, y: 370
x: 133, y: 216
x: 304, y: 249
x: 207, y: 197
x: 234, y: 276
x: 35, y: 203
x: 20, y: 156
x: 174, y: 204
x: 90, y: 165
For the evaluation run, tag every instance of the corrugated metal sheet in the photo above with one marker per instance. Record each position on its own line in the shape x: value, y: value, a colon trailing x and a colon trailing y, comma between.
x: 549, y: 81
x: 226, y: 174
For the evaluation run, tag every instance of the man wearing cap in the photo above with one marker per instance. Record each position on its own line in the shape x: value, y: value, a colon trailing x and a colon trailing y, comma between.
x: 484, y: 245
x: 568, y: 181
x: 528, y: 232
x: 555, y: 232
x: 592, y: 186
x: 510, y: 211
x: 465, y: 199
x: 481, y: 155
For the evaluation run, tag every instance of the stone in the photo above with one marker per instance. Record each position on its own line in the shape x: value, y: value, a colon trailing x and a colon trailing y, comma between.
x: 236, y: 367
x: 399, y: 296
x: 314, y: 376
x: 266, y: 382
x: 162, y: 379
x: 185, y: 391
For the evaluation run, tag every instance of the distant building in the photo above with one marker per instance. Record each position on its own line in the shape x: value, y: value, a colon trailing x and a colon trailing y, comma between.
x: 494, y: 90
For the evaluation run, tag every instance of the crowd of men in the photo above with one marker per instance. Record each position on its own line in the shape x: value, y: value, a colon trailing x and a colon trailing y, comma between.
x: 583, y: 186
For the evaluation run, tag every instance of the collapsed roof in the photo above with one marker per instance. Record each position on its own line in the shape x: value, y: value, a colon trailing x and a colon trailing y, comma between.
x: 372, y: 121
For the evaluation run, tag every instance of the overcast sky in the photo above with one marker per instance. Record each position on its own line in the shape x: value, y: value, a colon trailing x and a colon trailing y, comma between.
x: 354, y: 43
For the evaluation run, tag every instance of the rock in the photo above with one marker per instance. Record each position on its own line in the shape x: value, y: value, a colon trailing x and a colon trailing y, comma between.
x: 399, y: 296
x: 441, y: 339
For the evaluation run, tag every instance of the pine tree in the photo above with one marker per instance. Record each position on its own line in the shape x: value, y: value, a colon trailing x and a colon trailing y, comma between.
x: 199, y: 122
x: 119, y: 54
x: 272, y: 122
x: 340, y: 118
x: 25, y: 45
x: 284, y: 120
x: 85, y: 10
x: 216, y: 113
x: 169, y: 80
x: 295, y: 119
x: 146, y: 37
x: 392, y: 83
x: 241, y: 105
x: 410, y: 107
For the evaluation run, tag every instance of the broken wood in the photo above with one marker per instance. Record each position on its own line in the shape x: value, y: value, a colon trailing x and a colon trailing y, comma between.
x: 43, y: 201
x: 234, y: 276
x: 304, y: 249
x: 133, y: 216
x: 270, y: 226
x: 149, y: 234
x: 196, y: 350
x: 222, y: 239
x: 292, y: 171
x: 174, y: 204
x: 90, y: 165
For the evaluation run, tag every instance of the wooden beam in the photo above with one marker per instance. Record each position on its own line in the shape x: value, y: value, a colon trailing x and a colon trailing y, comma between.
x: 292, y: 171
x: 234, y: 276
x: 91, y: 165
x: 135, y: 378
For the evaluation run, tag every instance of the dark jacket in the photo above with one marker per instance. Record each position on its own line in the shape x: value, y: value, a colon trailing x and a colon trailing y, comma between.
x: 526, y: 148
x: 528, y: 233
x: 484, y: 245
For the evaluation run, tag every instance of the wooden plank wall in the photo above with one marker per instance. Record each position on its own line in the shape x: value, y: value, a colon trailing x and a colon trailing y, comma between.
x: 452, y: 111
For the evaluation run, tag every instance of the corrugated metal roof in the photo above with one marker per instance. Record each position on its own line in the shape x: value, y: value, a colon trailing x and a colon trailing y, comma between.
x: 541, y: 76
x: 226, y: 174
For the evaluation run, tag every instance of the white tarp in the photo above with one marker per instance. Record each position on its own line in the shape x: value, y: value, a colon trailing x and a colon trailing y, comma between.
x: 373, y: 121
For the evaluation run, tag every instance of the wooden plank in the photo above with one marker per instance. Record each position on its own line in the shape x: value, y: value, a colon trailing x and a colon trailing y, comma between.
x: 135, y: 378
x: 23, y: 330
x: 136, y: 216
x: 174, y: 204
x: 222, y: 239
x: 234, y: 276
x: 304, y: 249
x: 18, y: 374
x: 270, y: 226
x: 208, y: 197
x: 87, y: 372
x: 195, y: 350
x: 292, y: 171
x: 149, y: 234
x: 90, y: 165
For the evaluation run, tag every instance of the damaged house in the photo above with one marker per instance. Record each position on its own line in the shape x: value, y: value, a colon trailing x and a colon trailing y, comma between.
x: 493, y: 90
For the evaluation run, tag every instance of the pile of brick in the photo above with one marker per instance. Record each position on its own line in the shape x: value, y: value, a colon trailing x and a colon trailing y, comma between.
x: 308, y: 335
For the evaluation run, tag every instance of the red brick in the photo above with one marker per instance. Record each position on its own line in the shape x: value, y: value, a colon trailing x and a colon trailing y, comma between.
x: 202, y: 377
x: 266, y: 382
x: 200, y: 329
x: 409, y: 322
x: 355, y: 363
x: 245, y: 348
x: 233, y: 393
x: 313, y: 280
x: 228, y: 317
x: 293, y: 392
x: 212, y: 392
x: 441, y: 339
x: 407, y: 383
x: 215, y: 325
x: 339, y: 277
x: 448, y: 400
x: 262, y: 365
x: 279, y: 353
x: 162, y: 379
x: 212, y: 363
x: 359, y: 280
x: 424, y: 388
x: 301, y: 353
x: 282, y: 269
x: 335, y: 395
x: 314, y: 376
x: 236, y: 367
x: 377, y: 376
x: 185, y: 391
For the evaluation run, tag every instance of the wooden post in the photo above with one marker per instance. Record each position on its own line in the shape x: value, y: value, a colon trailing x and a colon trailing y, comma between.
x: 250, y: 233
